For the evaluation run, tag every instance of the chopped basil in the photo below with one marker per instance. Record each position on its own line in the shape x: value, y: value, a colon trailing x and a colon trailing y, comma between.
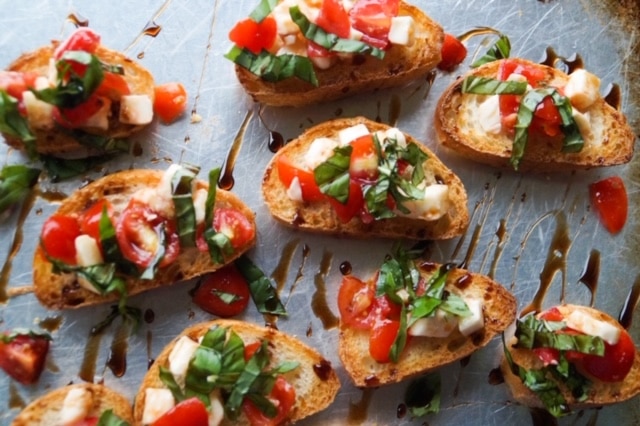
x: 491, y: 86
x: 331, y: 41
x: 264, y: 295
x: 500, y: 50
x: 401, y: 338
x: 274, y: 68
x: 109, y: 418
x: 252, y: 370
x: 263, y: 10
x: 16, y: 332
x: 16, y: 182
x: 111, y: 247
x: 103, y: 143
x: 332, y: 176
x: 576, y: 382
x: 535, y: 333
x: 14, y: 124
x: 422, y: 396
x: 60, y: 169
x: 181, y: 190
x: 214, y: 175
x: 166, y: 377
x: 219, y: 245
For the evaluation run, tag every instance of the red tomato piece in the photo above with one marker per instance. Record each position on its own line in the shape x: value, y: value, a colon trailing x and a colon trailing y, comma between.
x: 170, y: 101
x: 363, y: 164
x: 89, y: 421
x: 383, y: 334
x: 334, y: 19
x: 72, y: 118
x: 113, y: 86
x: 224, y: 293
x: 355, y: 300
x: 353, y: 206
x: 551, y: 314
x: 190, y: 412
x: 58, y: 238
x: 254, y: 36
x: 23, y: 357
x: 609, y: 199
x: 453, y: 53
x: 234, y: 225
x: 547, y: 355
x: 616, y: 362
x: 373, y: 18
x: 90, y: 219
x: 283, y: 395
x: 287, y: 171
x: 15, y: 83
x: 83, y: 38
x: 250, y: 349
x: 316, y: 51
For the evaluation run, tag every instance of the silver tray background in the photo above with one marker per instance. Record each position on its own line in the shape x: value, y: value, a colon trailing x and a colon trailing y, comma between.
x: 189, y: 48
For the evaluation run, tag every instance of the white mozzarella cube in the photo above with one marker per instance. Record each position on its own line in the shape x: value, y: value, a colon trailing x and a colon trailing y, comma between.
x: 394, y: 134
x: 156, y: 403
x: 39, y: 113
x: 294, y: 192
x: 489, y: 115
x: 585, y: 323
x: 180, y: 357
x: 216, y: 414
x: 322, y: 63
x: 475, y: 321
x: 136, y: 109
x: 87, y: 251
x: 42, y: 83
x: 582, y: 89
x: 433, y: 205
x: 348, y: 135
x: 441, y: 324
x: 401, y: 30
x: 583, y: 121
x: 319, y: 151
x: 199, y: 204
x: 76, y: 406
x: 100, y: 120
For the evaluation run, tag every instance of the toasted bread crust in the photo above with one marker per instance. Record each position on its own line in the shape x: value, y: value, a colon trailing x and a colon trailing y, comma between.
x: 61, y: 291
x: 45, y: 411
x: 320, y: 216
x: 315, y: 382
x: 601, y: 393
x: 58, y: 140
x: 611, y: 141
x: 423, y: 354
x: 401, y: 65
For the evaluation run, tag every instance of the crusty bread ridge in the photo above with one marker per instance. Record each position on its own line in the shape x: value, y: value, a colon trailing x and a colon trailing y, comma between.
x: 611, y: 141
x: 423, y: 354
x: 601, y: 393
x: 320, y: 217
x: 314, y: 391
x: 401, y: 65
x: 45, y: 411
x: 58, y: 141
x: 61, y: 291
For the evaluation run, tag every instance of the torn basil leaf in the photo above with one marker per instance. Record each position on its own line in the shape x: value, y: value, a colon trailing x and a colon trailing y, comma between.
x: 16, y: 182
x: 332, y: 176
x: 422, y: 396
x: 181, y: 191
x: 491, y: 86
x: 263, y: 293
x: 214, y: 175
x: 274, y: 68
x: 500, y: 50
x: 109, y: 418
x: 263, y: 10
x: 219, y: 245
x: 14, y: 124
x: 535, y: 333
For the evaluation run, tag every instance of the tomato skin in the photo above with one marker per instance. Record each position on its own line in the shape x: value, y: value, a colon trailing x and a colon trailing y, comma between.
x: 14, y: 82
x: 113, y: 86
x: 89, y: 421
x: 83, y: 38
x: 170, y: 101
x: 354, y: 203
x: 383, y: 334
x: 234, y: 225
x: 225, y: 280
x: 453, y: 53
x: 89, y: 221
x: 190, y: 412
x: 616, y: 362
x: 287, y: 171
x: 75, y: 117
x: 250, y: 349
x: 334, y: 19
x: 363, y: 164
x: 609, y: 198
x: 373, y: 18
x: 283, y: 395
x: 58, y: 238
x: 355, y: 300
x: 23, y: 358
x: 254, y: 36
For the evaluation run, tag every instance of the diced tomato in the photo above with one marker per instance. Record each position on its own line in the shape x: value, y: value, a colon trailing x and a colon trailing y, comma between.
x: 72, y: 118
x: 616, y: 362
x: 548, y: 356
x: 90, y: 219
x: 383, y: 334
x: 453, y: 53
x: 170, y: 101
x: 83, y: 38
x: 234, y: 225
x: 547, y: 120
x: 373, y: 18
x: 190, y: 412
x: 58, y: 238
x: 113, y: 86
x: 283, y: 395
x: 364, y: 159
x: 316, y: 51
x: 534, y: 74
x: 138, y: 232
x: 89, y: 421
x: 551, y: 314
x: 609, y: 199
x: 23, y: 357
x: 224, y: 293
x: 15, y: 83
x: 250, y: 349
x: 254, y: 36
x: 334, y: 19
x: 287, y: 171
x: 355, y: 300
x: 353, y: 206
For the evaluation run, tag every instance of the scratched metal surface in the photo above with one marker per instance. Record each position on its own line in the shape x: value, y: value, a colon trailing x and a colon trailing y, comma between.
x: 517, y: 222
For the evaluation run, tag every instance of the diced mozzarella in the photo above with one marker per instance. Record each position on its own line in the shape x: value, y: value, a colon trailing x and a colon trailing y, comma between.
x: 583, y: 122
x: 489, y: 114
x: 401, y: 30
x: 585, y: 323
x: 180, y: 356
x: 216, y: 414
x: 136, y: 109
x: 87, y: 254
x: 156, y: 403
x: 100, y: 120
x: 345, y: 136
x: 319, y: 151
x: 39, y: 113
x: 294, y: 192
x: 475, y: 321
x: 322, y: 62
x: 433, y: 205
x: 76, y: 406
x: 582, y: 89
x: 441, y: 324
x: 199, y: 204
x: 395, y: 134
x: 42, y: 83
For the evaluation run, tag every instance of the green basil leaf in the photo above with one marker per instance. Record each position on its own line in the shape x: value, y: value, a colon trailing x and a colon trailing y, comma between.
x: 422, y: 396
x: 16, y: 182
x: 60, y: 169
x: 166, y: 377
x: 274, y: 68
x: 435, y: 285
x: 109, y: 418
x: 214, y: 175
x: 263, y: 403
x: 9, y: 337
x: 401, y: 338
x: 263, y: 293
x: 150, y: 271
x: 424, y: 306
x: 532, y: 333
x: 204, y: 364
x: 14, y: 124
x: 491, y: 86
x: 252, y: 370
x: 332, y: 176
x: 105, y: 144
x: 181, y: 191
x: 263, y: 10
x: 219, y: 245
x: 500, y: 50
x: 566, y: 372
x: 545, y: 389
x: 455, y: 305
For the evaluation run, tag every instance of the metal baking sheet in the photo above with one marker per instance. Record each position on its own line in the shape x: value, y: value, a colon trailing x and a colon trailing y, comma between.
x: 526, y: 231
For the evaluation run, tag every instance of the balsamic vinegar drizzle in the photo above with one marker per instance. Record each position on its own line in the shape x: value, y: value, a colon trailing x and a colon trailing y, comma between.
x: 566, y: 65
x: 150, y: 29
x: 591, y: 274
x: 88, y: 367
x: 395, y: 105
x: 117, y: 360
x: 319, y: 303
x: 227, y: 181
x: 626, y: 314
x: 281, y: 271
x: 358, y: 410
x: 78, y: 20
x: 51, y: 324
x: 15, y: 400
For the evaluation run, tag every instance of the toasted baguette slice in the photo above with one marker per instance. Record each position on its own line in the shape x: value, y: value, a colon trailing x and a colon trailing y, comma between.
x: 58, y: 140
x: 424, y: 354
x: 601, y: 393
x: 363, y: 73
x: 320, y: 216
x: 316, y: 383
x: 46, y: 411
x: 62, y: 291
x: 609, y: 142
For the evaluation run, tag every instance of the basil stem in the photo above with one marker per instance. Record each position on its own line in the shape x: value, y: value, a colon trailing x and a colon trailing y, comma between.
x: 16, y: 182
x: 263, y: 10
x: 274, y: 68
x: 181, y: 190
x: 500, y: 50
x: 14, y: 124
x: 332, y: 176
x: 491, y: 86
x: 109, y: 418
x: 263, y: 293
x: 422, y: 396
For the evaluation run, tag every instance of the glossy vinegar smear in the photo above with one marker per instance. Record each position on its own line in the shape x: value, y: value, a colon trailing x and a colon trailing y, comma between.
x: 319, y: 303
x: 227, y: 180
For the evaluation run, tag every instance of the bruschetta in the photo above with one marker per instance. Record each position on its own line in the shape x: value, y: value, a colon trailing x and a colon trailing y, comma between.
x: 415, y: 316
x: 74, y: 94
x: 80, y: 404
x: 232, y: 372
x: 135, y: 230
x: 520, y: 114
x: 302, y: 52
x: 360, y: 178
x: 570, y: 357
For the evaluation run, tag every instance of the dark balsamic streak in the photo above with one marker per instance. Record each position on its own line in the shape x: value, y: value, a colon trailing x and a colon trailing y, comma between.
x: 15, y: 400
x: 151, y: 28
x: 117, y: 360
x: 300, y: 272
x: 591, y: 274
x: 227, y: 181
x: 78, y: 20
x: 319, y: 303
x: 395, y: 106
x: 281, y: 270
x: 626, y: 314
x: 358, y: 410
x: 88, y: 367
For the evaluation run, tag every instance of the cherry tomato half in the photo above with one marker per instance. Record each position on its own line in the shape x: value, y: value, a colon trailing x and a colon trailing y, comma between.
x: 190, y: 412
x: 363, y: 164
x: 83, y: 38
x: 283, y: 395
x: 74, y: 117
x: 14, y: 83
x: 287, y: 171
x: 89, y: 221
x: 373, y: 18
x: 58, y: 238
x: 234, y: 225
x: 254, y: 36
x: 353, y: 206
x: 170, y: 101
x: 609, y: 198
x: 453, y: 53
x: 616, y: 362
x: 383, y: 334
x: 355, y: 300
x: 113, y: 86
x: 23, y: 358
x: 224, y: 293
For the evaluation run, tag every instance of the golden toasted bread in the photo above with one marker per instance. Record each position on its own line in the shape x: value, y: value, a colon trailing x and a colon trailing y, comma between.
x: 599, y: 392
x: 48, y: 409
x: 316, y: 383
x: 319, y: 216
x: 608, y: 139
x: 361, y: 73
x: 62, y: 290
x: 423, y: 354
